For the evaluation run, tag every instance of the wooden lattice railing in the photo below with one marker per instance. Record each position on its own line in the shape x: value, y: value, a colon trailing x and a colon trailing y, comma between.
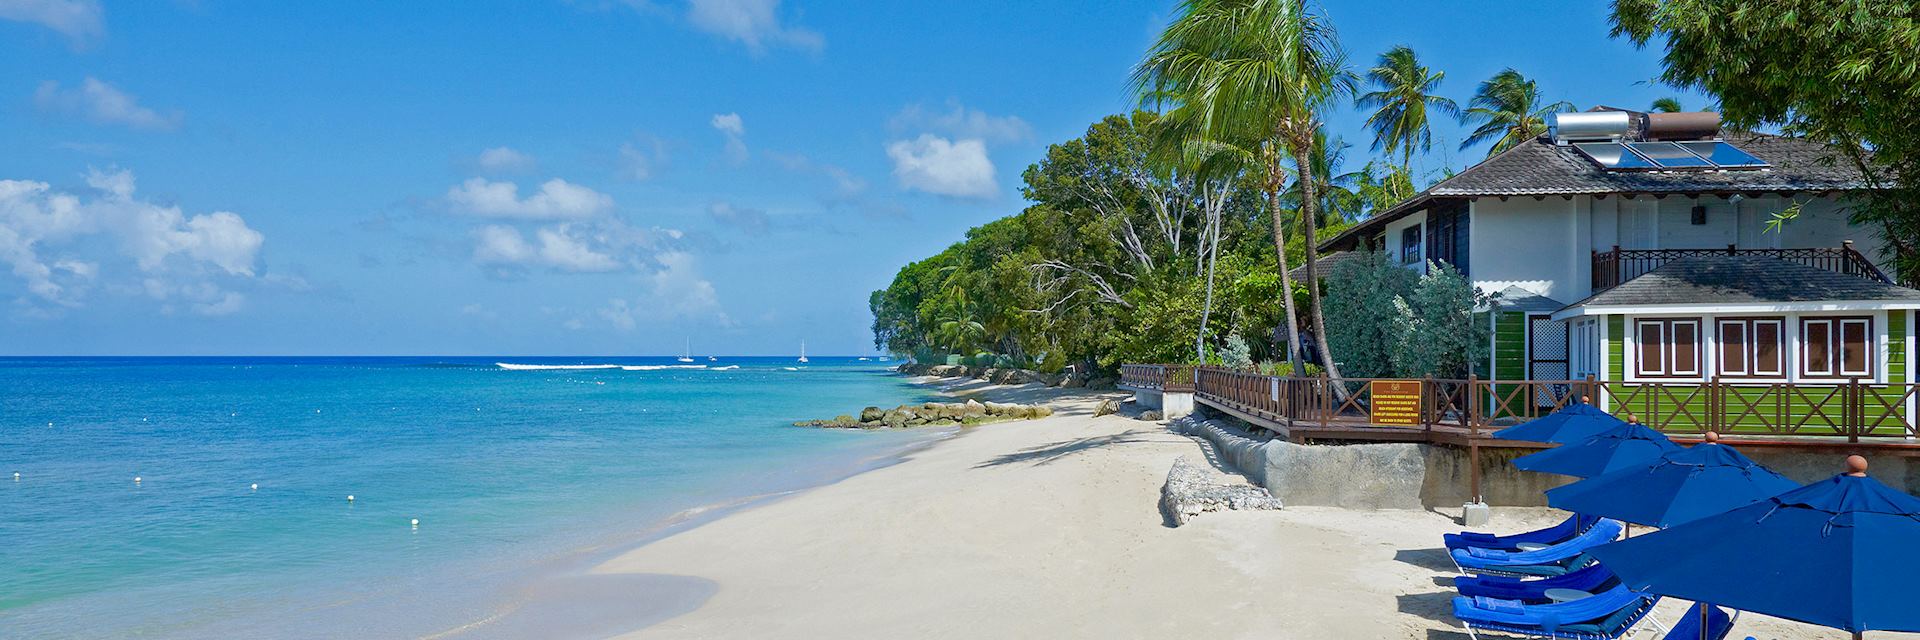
x: 1853, y: 410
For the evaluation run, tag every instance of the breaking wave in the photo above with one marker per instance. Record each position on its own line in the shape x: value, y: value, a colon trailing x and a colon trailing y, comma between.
x: 552, y: 367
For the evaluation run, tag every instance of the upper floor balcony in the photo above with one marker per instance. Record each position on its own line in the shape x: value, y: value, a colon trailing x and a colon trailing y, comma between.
x: 1610, y: 268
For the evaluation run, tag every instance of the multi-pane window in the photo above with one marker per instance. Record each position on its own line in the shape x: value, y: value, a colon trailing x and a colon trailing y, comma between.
x: 1410, y: 245
x: 1751, y: 347
x: 1668, y: 347
x: 1836, y: 347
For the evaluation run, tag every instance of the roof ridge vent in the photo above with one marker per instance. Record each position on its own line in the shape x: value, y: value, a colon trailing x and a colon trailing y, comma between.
x: 1589, y: 126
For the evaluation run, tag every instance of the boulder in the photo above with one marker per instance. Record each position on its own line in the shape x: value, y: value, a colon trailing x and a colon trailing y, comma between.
x: 1106, y: 407
x: 1072, y: 383
x: 1151, y: 415
x: 871, y: 414
x: 1042, y: 411
x: 973, y: 409
x: 896, y: 418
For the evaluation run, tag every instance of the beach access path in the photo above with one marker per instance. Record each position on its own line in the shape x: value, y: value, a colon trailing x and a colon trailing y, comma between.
x: 1050, y: 528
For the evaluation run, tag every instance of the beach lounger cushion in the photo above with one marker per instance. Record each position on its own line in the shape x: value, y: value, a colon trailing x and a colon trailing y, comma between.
x: 1604, y: 616
x: 1688, y: 626
x: 1554, y: 560
x: 1574, y: 525
x: 1583, y: 576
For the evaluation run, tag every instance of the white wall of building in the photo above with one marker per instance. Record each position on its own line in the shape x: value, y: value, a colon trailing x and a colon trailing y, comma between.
x: 1546, y: 246
x: 1394, y: 229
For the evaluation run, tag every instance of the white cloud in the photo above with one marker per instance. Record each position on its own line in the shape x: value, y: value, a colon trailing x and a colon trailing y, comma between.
x: 103, y: 103
x: 735, y: 130
x: 960, y: 122
x: 675, y: 291
x: 639, y: 159
x: 556, y: 200
x: 56, y: 243
x: 78, y: 20
x: 752, y: 222
x: 504, y: 160
x: 572, y: 247
x: 944, y: 167
x: 753, y: 23
x: 845, y: 184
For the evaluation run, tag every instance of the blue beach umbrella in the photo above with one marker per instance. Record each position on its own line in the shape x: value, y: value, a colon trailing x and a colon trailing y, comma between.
x: 1628, y: 445
x: 1572, y: 423
x: 1685, y: 485
x: 1838, y: 553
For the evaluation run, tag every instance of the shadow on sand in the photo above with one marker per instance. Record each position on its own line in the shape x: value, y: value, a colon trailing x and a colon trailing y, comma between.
x: 1047, y: 453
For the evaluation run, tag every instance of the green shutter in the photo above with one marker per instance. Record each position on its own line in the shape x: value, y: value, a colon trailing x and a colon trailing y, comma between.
x: 1897, y: 366
x: 1616, y: 347
x: 1510, y: 346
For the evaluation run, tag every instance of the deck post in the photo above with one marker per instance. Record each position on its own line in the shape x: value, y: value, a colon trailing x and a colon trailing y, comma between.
x: 1716, y: 411
x: 1429, y: 406
x: 1854, y: 408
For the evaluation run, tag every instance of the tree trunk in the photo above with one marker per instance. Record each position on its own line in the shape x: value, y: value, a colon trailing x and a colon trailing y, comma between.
x: 1274, y: 180
x: 1209, y: 251
x: 1309, y: 212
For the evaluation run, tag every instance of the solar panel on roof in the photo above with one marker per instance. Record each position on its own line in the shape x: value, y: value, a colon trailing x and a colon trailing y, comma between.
x: 1724, y: 155
x: 1669, y: 155
x: 1614, y: 155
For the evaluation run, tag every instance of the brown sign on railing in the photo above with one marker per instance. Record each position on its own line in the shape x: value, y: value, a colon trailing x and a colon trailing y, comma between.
x: 1395, y: 402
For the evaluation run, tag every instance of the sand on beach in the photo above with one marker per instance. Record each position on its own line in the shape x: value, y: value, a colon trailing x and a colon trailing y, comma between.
x: 1051, y: 528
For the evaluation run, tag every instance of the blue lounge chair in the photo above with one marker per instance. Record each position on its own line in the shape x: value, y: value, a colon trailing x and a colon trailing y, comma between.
x: 1551, y: 561
x: 1592, y: 579
x: 1605, y: 616
x: 1574, y: 525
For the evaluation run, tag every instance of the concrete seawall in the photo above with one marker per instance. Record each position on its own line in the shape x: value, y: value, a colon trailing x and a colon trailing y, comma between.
x: 1416, y: 476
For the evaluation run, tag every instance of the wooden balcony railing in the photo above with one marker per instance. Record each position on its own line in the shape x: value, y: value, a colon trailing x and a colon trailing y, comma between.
x: 1853, y: 410
x: 1158, y: 377
x: 1610, y: 268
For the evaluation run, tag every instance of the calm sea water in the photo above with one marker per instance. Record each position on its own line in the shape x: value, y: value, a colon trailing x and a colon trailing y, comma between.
x: 511, y: 472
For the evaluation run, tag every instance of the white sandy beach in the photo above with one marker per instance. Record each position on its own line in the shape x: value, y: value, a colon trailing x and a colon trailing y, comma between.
x: 1050, y: 528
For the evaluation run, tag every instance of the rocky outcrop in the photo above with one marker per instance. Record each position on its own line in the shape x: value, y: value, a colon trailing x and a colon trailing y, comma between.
x: 989, y: 374
x: 933, y: 414
x: 1191, y: 491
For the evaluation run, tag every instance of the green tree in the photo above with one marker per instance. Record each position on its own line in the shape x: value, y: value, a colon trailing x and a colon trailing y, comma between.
x: 1361, y: 297
x: 1666, y: 105
x: 1439, y: 335
x: 1402, y: 98
x: 1507, y: 109
x: 1838, y: 71
x: 1257, y: 74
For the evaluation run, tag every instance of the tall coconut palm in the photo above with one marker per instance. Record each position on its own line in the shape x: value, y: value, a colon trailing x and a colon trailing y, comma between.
x: 1666, y: 105
x: 1257, y: 74
x: 1338, y: 200
x: 1401, y: 99
x: 1507, y: 111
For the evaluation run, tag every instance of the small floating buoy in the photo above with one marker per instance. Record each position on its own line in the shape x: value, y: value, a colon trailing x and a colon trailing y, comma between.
x: 49, y: 424
x: 16, y: 476
x: 136, y: 479
x: 316, y: 411
x: 255, y: 486
x: 349, y: 498
x: 233, y: 414
x: 416, y: 523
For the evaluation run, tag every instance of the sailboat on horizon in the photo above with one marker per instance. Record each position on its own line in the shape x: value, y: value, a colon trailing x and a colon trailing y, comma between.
x: 686, y: 355
x: 803, y: 351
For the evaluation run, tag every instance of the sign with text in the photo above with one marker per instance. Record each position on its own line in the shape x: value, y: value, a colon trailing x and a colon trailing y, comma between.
x: 1396, y: 402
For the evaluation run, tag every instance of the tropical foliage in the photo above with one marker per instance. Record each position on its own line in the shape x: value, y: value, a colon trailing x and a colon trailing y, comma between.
x: 1389, y: 321
x: 1401, y: 100
x: 1507, y: 109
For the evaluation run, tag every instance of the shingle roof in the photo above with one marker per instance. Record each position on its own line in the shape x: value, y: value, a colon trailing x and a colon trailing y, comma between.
x: 1327, y: 262
x: 1745, y: 280
x: 1538, y: 167
x: 1517, y: 298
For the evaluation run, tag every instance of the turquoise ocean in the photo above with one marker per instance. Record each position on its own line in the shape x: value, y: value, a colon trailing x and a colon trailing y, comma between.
x: 515, y: 468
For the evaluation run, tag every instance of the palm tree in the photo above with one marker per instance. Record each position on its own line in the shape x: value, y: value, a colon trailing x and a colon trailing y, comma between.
x: 1402, y: 96
x: 1508, y: 111
x: 1338, y: 199
x: 1257, y: 74
x: 1666, y: 105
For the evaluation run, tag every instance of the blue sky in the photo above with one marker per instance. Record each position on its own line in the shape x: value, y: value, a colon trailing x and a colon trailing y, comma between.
x: 584, y: 176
